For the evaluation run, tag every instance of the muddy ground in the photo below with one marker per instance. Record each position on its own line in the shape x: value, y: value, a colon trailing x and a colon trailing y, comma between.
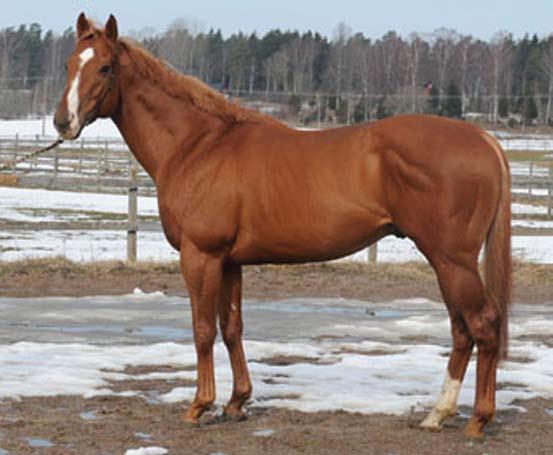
x: 111, y: 425
x: 73, y: 425
x: 533, y: 283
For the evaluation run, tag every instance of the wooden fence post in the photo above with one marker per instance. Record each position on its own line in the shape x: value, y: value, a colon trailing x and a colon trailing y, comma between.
x: 16, y: 146
x: 132, y: 227
x: 372, y: 255
x: 550, y: 192
x: 35, y: 158
x: 106, y: 151
x: 56, y: 165
x: 81, y: 151
x: 530, y: 179
x: 98, y: 165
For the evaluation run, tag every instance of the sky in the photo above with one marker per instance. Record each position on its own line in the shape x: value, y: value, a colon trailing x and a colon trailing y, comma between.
x: 480, y: 18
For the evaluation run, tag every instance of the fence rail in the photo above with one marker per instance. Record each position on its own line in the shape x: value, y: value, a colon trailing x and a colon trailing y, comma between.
x: 98, y: 165
x: 107, y: 166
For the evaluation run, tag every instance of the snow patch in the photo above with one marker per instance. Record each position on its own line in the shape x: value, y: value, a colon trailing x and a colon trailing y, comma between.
x: 147, y: 451
x: 377, y: 362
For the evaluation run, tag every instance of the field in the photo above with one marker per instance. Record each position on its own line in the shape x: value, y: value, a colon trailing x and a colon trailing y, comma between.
x: 97, y: 355
x: 341, y: 359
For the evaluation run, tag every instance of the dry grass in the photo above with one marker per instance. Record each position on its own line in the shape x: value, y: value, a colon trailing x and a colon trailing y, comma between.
x: 524, y: 273
x: 64, y: 267
x: 8, y: 180
x: 533, y: 274
x: 525, y: 155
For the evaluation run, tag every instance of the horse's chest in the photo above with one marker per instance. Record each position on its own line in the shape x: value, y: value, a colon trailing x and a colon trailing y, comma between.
x: 171, y: 227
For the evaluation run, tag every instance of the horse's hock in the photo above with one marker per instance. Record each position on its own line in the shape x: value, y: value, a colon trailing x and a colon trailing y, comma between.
x: 8, y: 180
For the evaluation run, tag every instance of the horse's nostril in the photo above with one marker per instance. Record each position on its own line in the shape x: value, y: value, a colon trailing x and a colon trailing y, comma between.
x: 61, y: 125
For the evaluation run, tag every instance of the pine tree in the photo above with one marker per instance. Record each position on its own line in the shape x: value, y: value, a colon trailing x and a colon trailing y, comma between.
x: 503, y: 107
x: 360, y: 113
x: 294, y: 105
x: 381, y: 109
x: 453, y: 106
x: 529, y: 109
x: 35, y: 52
x: 433, y: 102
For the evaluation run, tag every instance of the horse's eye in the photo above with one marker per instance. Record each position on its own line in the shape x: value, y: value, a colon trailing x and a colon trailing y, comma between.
x: 105, y: 69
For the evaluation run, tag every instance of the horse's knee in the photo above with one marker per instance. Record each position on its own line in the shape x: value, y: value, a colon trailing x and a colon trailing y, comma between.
x: 204, y: 337
x: 231, y: 331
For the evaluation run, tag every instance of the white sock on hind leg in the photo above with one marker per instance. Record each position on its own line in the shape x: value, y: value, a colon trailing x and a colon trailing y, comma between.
x: 446, y: 405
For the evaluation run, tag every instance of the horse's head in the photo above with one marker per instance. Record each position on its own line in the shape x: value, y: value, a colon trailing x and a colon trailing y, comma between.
x: 91, y: 89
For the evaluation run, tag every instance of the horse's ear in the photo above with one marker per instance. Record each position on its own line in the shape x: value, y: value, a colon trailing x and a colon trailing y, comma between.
x: 83, y: 26
x: 111, y: 28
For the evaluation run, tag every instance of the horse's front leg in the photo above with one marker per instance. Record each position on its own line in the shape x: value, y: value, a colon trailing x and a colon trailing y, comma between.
x: 202, y: 273
x: 230, y: 319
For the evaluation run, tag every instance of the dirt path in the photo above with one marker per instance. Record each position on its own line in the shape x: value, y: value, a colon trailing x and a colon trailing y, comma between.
x: 73, y: 425
x: 532, y: 283
x: 68, y: 425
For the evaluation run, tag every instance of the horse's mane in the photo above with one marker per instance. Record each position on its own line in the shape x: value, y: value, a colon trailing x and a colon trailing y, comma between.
x: 188, y: 88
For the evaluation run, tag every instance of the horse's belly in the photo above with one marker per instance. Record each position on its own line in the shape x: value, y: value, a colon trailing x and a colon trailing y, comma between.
x: 305, y: 246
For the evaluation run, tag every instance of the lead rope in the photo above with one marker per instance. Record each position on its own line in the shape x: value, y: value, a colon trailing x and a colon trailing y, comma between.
x: 13, y: 163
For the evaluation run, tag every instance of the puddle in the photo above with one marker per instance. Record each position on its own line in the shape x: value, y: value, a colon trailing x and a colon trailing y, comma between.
x: 164, y: 332
x: 356, y: 309
x: 3, y: 452
x: 88, y: 415
x: 414, y: 393
x: 144, y: 436
x: 549, y: 411
x: 83, y: 329
x: 159, y: 332
x: 151, y: 397
x: 264, y: 433
x: 38, y: 443
x: 389, y: 314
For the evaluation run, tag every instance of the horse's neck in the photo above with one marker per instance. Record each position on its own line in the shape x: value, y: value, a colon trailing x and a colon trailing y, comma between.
x: 156, y: 126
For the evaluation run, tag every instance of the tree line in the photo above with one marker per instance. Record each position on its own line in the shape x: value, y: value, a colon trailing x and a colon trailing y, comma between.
x: 346, y: 78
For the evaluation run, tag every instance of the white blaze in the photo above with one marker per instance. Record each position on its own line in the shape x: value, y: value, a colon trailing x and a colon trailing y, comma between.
x: 446, y: 405
x: 73, y: 94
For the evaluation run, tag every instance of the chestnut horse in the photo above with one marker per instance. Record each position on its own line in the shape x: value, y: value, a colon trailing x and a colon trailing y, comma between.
x: 236, y: 187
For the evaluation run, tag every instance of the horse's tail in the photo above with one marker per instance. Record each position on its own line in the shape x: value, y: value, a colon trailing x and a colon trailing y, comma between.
x: 498, y: 260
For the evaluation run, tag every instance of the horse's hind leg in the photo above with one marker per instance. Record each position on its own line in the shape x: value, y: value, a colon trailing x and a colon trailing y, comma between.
x: 464, y: 294
x: 485, y: 325
x: 456, y: 368
x: 230, y: 320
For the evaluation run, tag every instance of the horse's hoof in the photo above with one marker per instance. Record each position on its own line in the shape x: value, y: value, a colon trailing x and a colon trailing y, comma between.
x: 190, y: 420
x: 473, y: 429
x: 234, y: 415
x: 190, y: 423
x: 226, y: 418
x: 434, y: 420
x: 430, y: 426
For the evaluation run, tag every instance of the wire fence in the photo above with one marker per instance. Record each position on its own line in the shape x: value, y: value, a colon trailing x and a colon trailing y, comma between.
x: 107, y: 166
